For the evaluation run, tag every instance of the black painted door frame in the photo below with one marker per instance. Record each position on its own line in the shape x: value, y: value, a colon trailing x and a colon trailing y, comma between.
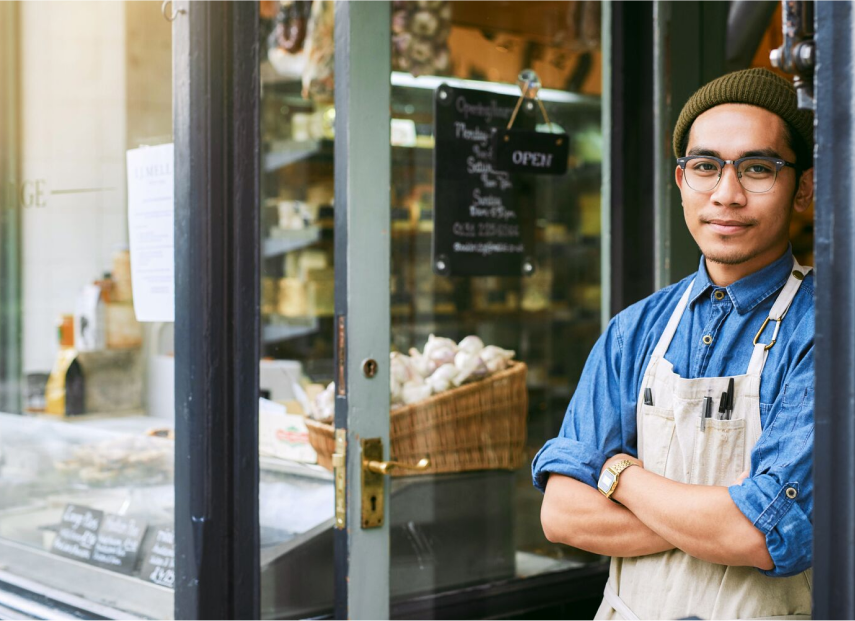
x: 217, y: 271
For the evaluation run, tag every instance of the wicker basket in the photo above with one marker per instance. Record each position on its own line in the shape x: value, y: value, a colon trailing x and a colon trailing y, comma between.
x: 478, y: 426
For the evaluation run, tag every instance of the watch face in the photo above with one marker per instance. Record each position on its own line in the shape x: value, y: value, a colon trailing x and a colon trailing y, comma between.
x: 607, y: 479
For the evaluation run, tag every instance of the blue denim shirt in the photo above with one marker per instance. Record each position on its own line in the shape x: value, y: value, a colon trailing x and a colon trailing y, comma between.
x: 601, y: 419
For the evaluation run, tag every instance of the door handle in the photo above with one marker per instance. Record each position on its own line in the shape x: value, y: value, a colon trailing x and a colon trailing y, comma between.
x: 373, y: 483
x: 386, y: 467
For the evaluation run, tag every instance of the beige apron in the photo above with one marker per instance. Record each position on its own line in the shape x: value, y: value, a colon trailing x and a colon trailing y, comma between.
x: 674, y: 585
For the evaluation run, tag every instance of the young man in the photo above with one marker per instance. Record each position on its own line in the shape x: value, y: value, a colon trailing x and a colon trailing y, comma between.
x: 674, y: 457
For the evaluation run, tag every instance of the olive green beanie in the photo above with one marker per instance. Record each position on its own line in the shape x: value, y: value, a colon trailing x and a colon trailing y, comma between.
x: 757, y: 87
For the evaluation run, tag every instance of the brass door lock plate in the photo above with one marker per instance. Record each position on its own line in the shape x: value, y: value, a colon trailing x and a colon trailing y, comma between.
x: 372, y: 484
x: 373, y: 471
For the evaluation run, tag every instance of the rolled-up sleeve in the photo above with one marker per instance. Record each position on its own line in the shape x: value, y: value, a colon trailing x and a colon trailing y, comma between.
x: 778, y: 495
x: 591, y: 430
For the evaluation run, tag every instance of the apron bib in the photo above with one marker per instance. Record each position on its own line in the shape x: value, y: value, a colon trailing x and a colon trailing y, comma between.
x: 671, y: 443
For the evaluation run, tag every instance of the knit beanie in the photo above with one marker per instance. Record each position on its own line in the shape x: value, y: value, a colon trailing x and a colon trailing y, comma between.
x: 757, y: 87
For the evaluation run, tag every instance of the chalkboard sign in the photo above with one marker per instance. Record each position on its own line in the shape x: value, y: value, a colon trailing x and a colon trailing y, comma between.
x: 483, y: 218
x: 159, y: 560
x: 118, y: 544
x: 77, y: 533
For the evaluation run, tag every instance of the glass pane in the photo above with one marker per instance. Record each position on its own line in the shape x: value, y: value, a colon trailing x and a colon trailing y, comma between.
x: 475, y: 518
x: 86, y: 484
x: 297, y: 307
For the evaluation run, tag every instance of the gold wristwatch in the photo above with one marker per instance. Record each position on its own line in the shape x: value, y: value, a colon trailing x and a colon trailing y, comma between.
x: 609, y: 479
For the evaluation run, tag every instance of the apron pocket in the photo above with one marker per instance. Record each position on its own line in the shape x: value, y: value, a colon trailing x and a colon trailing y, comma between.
x: 656, y: 437
x: 719, y: 452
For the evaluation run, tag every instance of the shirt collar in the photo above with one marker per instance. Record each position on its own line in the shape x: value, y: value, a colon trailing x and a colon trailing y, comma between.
x: 747, y: 292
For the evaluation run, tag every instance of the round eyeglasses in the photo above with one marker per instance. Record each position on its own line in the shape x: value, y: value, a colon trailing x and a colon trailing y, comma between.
x: 756, y: 174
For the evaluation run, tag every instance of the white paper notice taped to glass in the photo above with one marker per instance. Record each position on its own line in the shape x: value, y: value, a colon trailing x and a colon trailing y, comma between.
x: 151, y: 216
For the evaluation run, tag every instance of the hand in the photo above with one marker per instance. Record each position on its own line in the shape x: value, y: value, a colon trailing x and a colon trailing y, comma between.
x: 611, y: 461
x: 741, y: 478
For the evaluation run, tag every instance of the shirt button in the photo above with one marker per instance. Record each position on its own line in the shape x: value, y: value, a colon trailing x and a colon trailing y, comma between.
x: 707, y: 340
x: 791, y: 492
x: 719, y: 295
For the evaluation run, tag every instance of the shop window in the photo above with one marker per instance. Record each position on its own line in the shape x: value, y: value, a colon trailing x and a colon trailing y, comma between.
x: 86, y: 480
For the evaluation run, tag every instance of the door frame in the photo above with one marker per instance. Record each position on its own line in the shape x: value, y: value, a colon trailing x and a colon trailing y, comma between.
x: 834, y: 357
x: 217, y: 272
x: 362, y: 272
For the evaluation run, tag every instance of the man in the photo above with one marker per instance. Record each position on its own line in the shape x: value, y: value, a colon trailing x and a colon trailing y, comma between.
x: 674, y: 457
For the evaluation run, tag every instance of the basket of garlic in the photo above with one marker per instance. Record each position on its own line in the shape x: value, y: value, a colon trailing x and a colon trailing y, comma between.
x: 464, y: 405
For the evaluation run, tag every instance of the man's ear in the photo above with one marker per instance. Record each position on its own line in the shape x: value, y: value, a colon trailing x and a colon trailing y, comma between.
x: 678, y: 177
x: 804, y: 194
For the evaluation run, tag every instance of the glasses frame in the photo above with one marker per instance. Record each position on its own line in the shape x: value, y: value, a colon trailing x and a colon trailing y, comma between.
x: 777, y: 161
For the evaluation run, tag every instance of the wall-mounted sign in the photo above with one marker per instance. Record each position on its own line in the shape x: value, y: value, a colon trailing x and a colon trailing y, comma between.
x: 483, y: 218
x: 151, y: 224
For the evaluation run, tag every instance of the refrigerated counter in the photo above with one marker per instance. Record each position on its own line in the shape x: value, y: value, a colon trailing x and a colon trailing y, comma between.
x: 86, y: 518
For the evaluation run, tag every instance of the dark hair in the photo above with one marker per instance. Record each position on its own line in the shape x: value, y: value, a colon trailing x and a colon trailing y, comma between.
x: 804, y: 153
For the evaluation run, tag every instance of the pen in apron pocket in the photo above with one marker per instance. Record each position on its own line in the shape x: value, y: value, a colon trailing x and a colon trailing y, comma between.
x: 730, y: 392
x: 707, y: 413
x: 648, y: 396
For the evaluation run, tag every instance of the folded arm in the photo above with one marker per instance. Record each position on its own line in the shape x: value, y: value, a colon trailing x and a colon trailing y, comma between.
x: 578, y: 515
x: 701, y: 520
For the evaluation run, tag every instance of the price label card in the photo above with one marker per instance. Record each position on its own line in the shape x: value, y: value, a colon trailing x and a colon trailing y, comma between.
x: 77, y: 533
x: 159, y: 561
x: 118, y: 544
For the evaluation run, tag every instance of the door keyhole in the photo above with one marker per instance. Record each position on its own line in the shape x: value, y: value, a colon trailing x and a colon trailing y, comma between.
x: 373, y: 504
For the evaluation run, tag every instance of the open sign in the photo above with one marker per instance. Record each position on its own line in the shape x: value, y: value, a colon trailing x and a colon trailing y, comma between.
x: 526, y: 151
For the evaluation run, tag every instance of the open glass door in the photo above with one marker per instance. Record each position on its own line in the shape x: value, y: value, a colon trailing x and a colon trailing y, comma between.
x: 420, y: 301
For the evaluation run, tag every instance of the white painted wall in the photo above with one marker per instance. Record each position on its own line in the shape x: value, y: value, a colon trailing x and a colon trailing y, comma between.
x: 73, y: 136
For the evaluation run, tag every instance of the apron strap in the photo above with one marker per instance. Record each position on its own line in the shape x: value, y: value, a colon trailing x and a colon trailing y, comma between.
x: 658, y: 354
x: 776, y: 315
x: 673, y: 322
x: 614, y: 600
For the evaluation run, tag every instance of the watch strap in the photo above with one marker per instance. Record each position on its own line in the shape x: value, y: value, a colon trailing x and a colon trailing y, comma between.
x: 620, y: 466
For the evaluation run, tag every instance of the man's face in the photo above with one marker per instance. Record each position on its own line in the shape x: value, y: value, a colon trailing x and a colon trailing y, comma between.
x: 730, y: 225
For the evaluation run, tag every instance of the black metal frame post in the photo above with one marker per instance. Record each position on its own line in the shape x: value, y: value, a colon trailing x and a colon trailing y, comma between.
x: 217, y: 267
x: 834, y: 357
x: 632, y: 183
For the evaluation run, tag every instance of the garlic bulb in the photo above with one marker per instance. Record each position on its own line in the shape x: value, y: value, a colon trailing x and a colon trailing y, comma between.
x: 471, y: 344
x: 496, y: 359
x: 323, y: 405
x: 399, y: 370
x: 396, y: 394
x: 438, y: 342
x: 442, y: 378
x: 419, y: 363
x: 439, y: 357
x: 469, y: 366
x: 413, y: 393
